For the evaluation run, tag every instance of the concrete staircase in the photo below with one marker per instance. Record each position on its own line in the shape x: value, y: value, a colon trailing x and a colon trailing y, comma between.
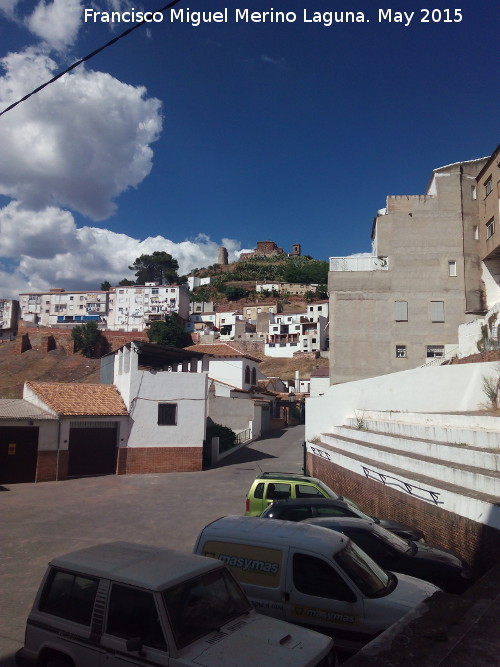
x: 456, y: 452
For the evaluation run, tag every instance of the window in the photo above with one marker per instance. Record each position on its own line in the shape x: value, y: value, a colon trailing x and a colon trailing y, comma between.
x: 435, y: 351
x: 254, y: 376
x: 167, y: 414
x: 452, y: 268
x: 133, y: 613
x: 400, y: 351
x: 488, y: 186
x: 69, y: 596
x: 475, y: 232
x: 490, y: 228
x: 473, y: 192
x: 437, y: 311
x: 247, y: 374
x: 278, y: 491
x: 313, y: 576
x: 401, y: 311
x: 307, y: 491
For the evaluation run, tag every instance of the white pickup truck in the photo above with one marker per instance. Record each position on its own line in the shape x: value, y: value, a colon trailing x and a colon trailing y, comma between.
x: 120, y: 604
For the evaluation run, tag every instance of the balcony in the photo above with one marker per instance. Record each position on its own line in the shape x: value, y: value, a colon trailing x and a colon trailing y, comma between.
x: 363, y: 263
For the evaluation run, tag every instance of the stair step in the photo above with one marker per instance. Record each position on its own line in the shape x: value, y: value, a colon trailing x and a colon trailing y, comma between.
x: 468, y: 477
x: 425, y: 480
x: 476, y: 457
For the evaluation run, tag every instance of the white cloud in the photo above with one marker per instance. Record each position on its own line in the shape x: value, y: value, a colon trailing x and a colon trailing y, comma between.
x: 56, y: 22
x: 52, y: 251
x: 80, y: 142
x: 8, y: 6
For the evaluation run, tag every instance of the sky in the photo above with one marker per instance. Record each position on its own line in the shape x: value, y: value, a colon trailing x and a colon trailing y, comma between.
x: 184, y: 137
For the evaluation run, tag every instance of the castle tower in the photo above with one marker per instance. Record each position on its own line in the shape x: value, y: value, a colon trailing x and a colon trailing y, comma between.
x: 296, y: 249
x: 222, y: 256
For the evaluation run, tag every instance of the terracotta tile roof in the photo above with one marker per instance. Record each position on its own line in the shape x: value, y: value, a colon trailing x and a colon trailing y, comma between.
x: 80, y: 399
x: 220, y: 350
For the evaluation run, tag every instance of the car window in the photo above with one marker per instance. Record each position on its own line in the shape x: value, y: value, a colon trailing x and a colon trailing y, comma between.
x: 259, y: 491
x: 314, y: 576
x: 278, y: 491
x: 294, y: 514
x: 307, y: 491
x: 69, y: 596
x: 332, y: 510
x: 132, y: 613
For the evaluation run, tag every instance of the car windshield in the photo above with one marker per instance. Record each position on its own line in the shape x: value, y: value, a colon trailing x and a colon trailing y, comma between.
x: 369, y: 577
x: 202, y: 605
x: 396, y: 542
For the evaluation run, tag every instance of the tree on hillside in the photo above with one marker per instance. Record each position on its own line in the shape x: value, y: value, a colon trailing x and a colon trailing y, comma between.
x: 169, y: 332
x: 233, y: 293
x: 87, y: 337
x: 160, y: 267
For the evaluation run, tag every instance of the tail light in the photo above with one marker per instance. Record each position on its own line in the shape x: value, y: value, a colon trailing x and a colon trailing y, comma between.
x: 247, y: 505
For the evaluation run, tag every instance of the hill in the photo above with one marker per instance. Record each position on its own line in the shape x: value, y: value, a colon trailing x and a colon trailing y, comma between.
x: 54, y: 366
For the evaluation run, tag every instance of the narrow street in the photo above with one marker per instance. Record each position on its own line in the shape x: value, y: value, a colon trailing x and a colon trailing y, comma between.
x: 43, y: 520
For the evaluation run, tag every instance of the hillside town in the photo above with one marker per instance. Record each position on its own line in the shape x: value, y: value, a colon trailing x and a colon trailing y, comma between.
x: 400, y: 399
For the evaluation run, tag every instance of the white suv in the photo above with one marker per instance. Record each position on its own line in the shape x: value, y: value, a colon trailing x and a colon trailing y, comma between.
x: 121, y: 604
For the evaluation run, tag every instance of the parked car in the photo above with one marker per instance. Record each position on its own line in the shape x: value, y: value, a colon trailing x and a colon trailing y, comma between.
x: 269, y: 486
x: 123, y: 604
x: 312, y: 576
x: 299, y: 509
x: 393, y: 553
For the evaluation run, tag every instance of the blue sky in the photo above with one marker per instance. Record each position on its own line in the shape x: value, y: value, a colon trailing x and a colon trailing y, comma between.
x: 292, y: 132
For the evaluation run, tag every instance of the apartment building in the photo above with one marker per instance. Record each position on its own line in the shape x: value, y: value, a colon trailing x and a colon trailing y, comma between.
x: 401, y: 307
x: 134, y: 307
x: 298, y: 332
x: 57, y: 307
x: 9, y: 313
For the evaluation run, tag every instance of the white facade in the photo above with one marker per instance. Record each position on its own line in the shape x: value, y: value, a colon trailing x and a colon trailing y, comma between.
x: 132, y: 308
x: 58, y: 307
x: 9, y: 310
x: 201, y: 322
x: 194, y: 281
x: 298, y: 332
x: 144, y: 390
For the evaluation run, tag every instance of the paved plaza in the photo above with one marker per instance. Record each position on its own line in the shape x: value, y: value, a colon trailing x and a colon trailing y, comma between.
x: 39, y: 521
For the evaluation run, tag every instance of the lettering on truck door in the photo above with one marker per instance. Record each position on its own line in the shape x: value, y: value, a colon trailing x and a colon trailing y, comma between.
x: 257, y: 569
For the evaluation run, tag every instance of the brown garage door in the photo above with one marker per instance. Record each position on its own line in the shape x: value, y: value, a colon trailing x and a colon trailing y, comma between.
x: 18, y: 452
x: 92, y: 449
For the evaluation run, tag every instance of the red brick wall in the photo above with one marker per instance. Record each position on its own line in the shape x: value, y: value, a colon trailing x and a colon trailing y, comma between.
x: 46, y: 466
x: 140, y: 460
x: 478, y: 544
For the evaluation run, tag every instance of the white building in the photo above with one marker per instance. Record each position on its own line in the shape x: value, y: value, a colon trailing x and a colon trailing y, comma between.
x: 165, y: 392
x: 134, y: 307
x: 59, y: 307
x: 9, y: 311
x: 298, y: 332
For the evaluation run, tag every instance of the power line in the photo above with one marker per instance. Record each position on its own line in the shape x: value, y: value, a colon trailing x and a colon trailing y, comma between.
x: 89, y: 56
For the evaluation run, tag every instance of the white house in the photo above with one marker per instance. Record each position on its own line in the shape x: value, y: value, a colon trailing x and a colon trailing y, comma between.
x: 9, y: 311
x: 165, y: 392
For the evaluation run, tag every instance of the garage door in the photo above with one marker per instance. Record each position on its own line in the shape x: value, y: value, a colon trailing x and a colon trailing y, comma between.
x: 92, y: 449
x: 18, y: 452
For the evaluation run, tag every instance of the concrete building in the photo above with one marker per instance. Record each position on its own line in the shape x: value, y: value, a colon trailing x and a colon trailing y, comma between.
x: 9, y: 313
x: 57, y: 307
x: 134, y: 307
x: 401, y: 306
x: 305, y: 331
